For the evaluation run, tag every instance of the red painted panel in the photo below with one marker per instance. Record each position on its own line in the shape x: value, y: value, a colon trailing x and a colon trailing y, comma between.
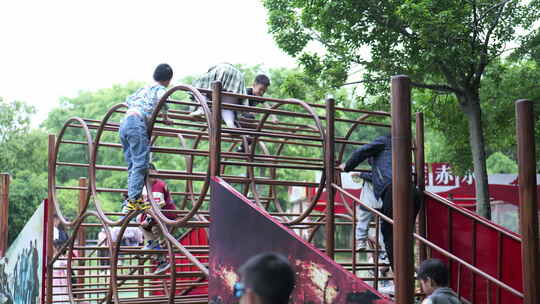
x: 482, y: 253
x: 461, y: 245
x: 194, y: 237
x: 511, y: 270
x: 339, y: 200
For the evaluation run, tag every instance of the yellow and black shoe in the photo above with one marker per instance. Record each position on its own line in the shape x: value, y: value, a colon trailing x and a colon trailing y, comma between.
x: 141, y: 204
x: 128, y: 206
x: 144, y: 206
x: 132, y: 205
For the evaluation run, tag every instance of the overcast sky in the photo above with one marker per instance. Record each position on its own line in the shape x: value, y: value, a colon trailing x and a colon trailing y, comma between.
x: 55, y: 48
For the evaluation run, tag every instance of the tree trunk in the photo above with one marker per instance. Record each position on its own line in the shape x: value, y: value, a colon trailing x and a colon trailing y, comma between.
x: 470, y: 105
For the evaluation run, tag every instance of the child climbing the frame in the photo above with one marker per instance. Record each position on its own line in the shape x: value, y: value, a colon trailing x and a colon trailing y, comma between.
x: 364, y: 218
x: 153, y: 236
x: 134, y: 134
x: 232, y: 80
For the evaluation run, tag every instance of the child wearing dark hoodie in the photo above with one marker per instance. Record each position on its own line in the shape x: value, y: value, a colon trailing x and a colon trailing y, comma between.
x: 433, y: 276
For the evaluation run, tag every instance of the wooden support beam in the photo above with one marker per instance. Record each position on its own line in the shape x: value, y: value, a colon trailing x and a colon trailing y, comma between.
x: 4, y: 212
x: 403, y: 207
x: 528, y: 204
x: 49, y: 213
x: 330, y: 173
x: 215, y: 141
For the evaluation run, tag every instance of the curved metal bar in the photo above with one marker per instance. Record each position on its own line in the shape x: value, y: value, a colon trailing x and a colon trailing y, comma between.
x: 177, y: 223
x: 348, y: 135
x: 196, y: 94
x: 93, y: 187
x: 312, y: 205
x: 91, y: 177
x: 70, y: 243
x: 182, y: 249
x: 114, y: 256
x: 199, y: 98
x: 318, y: 125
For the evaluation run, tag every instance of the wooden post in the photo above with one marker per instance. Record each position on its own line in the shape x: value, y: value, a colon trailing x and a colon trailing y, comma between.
x: 528, y: 205
x: 140, y: 291
x: 81, y: 235
x: 215, y: 128
x: 329, y: 173
x: 403, y: 208
x: 50, y: 222
x: 420, y: 180
x: 4, y: 213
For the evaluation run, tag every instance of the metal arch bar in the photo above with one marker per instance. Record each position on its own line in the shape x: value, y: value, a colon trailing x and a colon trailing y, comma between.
x: 70, y: 245
x: 52, y: 169
x: 195, y: 93
x: 318, y: 125
x: 93, y: 190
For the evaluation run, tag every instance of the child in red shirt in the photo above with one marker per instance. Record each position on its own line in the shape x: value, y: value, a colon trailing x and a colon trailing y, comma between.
x: 153, y: 236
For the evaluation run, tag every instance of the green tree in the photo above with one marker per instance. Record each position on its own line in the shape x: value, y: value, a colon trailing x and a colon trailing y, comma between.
x: 27, y: 191
x: 500, y: 163
x: 444, y: 46
x: 503, y: 83
x: 14, y: 123
x: 14, y: 118
x: 24, y: 157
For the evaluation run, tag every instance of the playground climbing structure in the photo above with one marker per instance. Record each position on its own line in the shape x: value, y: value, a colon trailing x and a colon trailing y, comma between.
x: 303, y: 148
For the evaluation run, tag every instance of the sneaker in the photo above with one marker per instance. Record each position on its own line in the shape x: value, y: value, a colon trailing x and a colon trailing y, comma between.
x: 241, y: 149
x: 144, y: 205
x: 152, y: 245
x: 137, y: 204
x: 248, y: 115
x: 198, y: 112
x: 129, y: 205
x: 163, y: 265
x: 385, y: 271
x: 361, y: 244
x: 141, y: 204
x: 126, y: 208
x: 388, y: 289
